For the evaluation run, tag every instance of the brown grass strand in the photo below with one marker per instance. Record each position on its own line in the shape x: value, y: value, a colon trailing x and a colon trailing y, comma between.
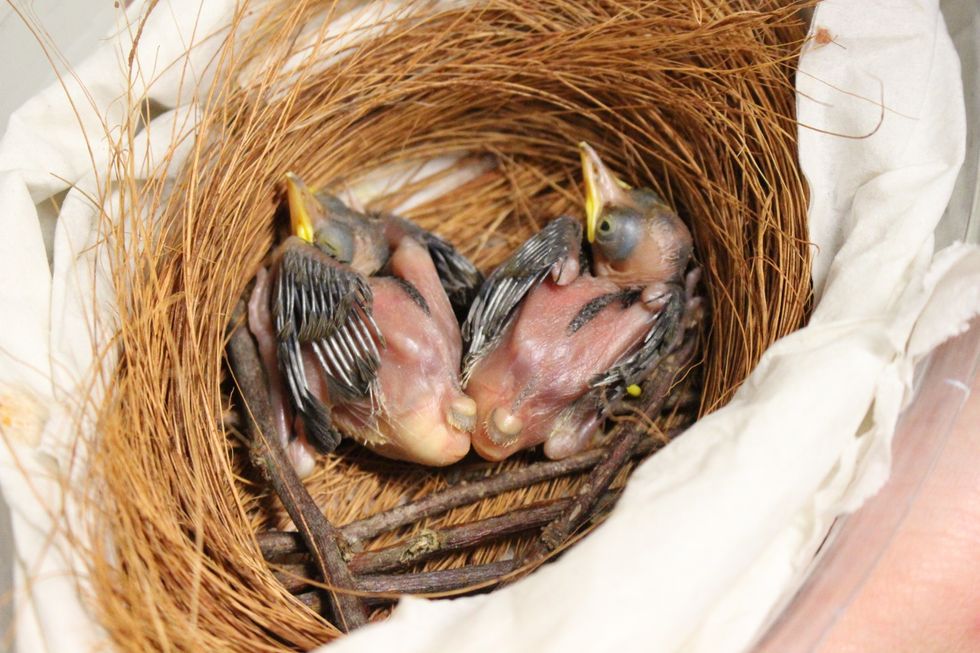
x: 692, y: 98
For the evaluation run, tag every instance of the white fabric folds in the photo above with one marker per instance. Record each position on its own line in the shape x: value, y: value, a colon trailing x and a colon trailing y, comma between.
x: 715, y: 532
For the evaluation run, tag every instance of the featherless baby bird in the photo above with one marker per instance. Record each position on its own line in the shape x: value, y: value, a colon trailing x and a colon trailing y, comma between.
x: 356, y: 327
x: 557, y: 337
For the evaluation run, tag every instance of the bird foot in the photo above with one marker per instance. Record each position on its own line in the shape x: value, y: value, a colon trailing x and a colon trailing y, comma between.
x: 462, y: 414
x: 504, y: 427
x: 565, y: 271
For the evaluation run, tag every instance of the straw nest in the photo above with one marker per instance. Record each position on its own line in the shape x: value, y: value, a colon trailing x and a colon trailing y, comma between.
x: 693, y: 98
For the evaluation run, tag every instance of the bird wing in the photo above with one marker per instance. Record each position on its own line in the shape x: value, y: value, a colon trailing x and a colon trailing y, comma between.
x: 459, y: 277
x: 608, y: 388
x: 502, y: 292
x: 317, y: 301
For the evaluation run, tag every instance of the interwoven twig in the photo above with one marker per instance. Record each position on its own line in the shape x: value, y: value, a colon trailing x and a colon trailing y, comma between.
x: 318, y: 534
x: 562, y: 518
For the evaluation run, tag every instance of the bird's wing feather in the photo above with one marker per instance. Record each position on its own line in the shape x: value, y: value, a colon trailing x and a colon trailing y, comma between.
x: 498, y: 298
x: 608, y: 388
x: 327, y: 306
x: 459, y: 277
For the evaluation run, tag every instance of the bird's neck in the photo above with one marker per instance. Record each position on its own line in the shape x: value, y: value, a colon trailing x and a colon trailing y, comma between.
x: 634, y: 274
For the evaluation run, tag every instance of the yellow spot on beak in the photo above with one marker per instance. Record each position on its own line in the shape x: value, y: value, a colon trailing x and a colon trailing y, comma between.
x: 601, y: 187
x: 633, y: 390
x: 592, y: 205
x: 299, y: 215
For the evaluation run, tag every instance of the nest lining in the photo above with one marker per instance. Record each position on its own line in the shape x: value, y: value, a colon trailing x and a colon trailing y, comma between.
x: 693, y: 99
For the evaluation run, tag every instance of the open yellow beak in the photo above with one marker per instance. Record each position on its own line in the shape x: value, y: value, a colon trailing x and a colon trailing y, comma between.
x: 299, y: 216
x: 602, y: 188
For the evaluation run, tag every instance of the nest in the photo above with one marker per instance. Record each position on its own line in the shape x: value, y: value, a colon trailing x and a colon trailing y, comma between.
x: 694, y: 99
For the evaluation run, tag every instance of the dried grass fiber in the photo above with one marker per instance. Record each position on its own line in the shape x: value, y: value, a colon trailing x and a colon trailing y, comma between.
x: 692, y: 97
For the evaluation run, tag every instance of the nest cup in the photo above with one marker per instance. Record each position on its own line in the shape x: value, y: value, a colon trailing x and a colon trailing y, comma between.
x: 693, y: 99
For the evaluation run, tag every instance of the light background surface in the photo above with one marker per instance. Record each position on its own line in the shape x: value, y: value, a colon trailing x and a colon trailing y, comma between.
x: 74, y: 28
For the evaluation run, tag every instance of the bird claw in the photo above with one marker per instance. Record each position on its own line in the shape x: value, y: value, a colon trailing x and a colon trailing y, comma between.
x: 565, y: 271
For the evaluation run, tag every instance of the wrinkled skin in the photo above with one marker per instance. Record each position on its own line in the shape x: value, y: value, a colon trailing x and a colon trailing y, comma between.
x: 535, y: 375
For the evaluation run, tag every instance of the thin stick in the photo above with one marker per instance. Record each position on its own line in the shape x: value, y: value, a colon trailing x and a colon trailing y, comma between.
x: 431, y: 543
x: 464, y: 493
x: 431, y: 582
x: 276, y: 544
x: 266, y: 454
x: 580, y: 508
x: 427, y: 582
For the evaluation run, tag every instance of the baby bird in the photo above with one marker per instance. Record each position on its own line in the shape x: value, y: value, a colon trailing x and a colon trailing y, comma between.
x: 359, y: 337
x: 552, y: 345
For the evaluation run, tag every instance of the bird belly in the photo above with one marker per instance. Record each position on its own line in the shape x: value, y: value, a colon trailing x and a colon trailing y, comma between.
x: 541, y: 368
x: 420, y: 362
x: 418, y: 376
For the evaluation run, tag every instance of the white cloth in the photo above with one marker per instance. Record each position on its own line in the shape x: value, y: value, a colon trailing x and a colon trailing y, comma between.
x: 714, y: 532
x: 56, y: 143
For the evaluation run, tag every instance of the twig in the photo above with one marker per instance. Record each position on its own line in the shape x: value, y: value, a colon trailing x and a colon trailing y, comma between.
x: 431, y: 582
x: 431, y: 543
x: 580, y: 508
x: 563, y: 517
x: 266, y: 453
x: 427, y: 582
x: 276, y: 544
x: 464, y: 493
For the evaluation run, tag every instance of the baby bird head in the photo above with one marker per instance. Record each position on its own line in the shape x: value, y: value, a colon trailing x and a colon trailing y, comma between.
x: 635, y: 237
x: 345, y: 235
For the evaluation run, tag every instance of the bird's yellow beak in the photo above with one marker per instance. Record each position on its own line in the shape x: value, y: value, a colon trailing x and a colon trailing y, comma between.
x: 602, y: 188
x: 299, y: 197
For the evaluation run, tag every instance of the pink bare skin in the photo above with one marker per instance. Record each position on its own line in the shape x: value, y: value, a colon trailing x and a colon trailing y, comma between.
x: 535, y: 375
x: 533, y: 385
x: 419, y: 375
x: 425, y: 413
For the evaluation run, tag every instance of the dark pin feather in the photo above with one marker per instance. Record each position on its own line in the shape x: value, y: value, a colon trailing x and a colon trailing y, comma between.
x: 506, y: 287
x: 459, y: 277
x: 320, y: 303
